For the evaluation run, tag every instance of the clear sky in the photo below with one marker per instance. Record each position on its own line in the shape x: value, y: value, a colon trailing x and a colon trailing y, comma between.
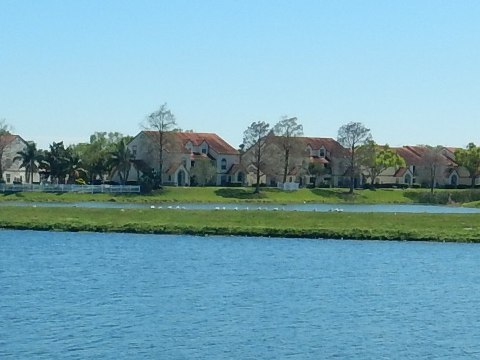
x: 408, y: 70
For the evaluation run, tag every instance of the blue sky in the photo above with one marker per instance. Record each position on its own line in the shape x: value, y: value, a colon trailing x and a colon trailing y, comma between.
x: 408, y: 70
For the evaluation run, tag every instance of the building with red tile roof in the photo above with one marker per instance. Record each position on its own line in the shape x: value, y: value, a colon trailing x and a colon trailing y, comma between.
x: 423, y: 166
x: 180, y: 152
x: 306, y: 154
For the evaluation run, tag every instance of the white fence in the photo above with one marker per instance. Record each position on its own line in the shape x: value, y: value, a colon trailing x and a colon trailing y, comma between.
x: 91, y: 189
x: 288, y: 186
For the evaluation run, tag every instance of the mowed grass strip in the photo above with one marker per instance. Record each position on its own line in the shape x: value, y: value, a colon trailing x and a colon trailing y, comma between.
x: 374, y: 226
x: 246, y: 195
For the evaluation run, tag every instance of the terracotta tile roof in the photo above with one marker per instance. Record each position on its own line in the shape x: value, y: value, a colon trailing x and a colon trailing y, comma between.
x: 172, y: 168
x: 330, y: 144
x: 7, y: 139
x: 315, y: 143
x: 213, y: 140
x: 411, y: 155
x: 235, y: 168
x: 400, y: 172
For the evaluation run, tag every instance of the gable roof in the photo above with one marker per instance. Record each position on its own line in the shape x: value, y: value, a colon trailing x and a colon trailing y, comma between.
x: 402, y: 171
x: 214, y: 141
x: 7, y: 139
x: 414, y: 155
x: 330, y: 144
x: 316, y: 143
x: 236, y: 168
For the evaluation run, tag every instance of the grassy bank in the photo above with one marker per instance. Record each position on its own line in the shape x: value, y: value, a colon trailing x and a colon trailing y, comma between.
x: 387, y: 226
x: 267, y: 195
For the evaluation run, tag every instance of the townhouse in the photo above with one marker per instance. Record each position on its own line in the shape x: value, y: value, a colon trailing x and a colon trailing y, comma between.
x: 181, y: 150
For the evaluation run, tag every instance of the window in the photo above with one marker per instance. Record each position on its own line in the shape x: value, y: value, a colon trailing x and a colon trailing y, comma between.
x: 223, y: 164
x: 204, y: 150
x: 134, y: 151
x: 322, y: 152
x: 8, y: 178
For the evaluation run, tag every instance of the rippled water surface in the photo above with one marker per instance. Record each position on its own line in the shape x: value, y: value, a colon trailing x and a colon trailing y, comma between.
x: 114, y: 296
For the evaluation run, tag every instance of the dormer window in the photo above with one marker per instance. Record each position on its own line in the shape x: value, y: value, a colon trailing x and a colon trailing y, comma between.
x: 204, y: 150
x: 322, y: 152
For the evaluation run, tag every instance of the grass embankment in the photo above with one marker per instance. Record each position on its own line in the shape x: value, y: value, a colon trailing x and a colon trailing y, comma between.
x: 381, y: 226
x: 235, y: 195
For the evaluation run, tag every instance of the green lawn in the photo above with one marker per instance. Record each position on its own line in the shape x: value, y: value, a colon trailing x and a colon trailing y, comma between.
x: 225, y: 195
x: 267, y: 195
x: 388, y: 226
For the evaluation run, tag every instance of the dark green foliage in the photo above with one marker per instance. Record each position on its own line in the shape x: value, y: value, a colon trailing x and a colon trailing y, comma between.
x: 444, y: 197
x: 238, y: 193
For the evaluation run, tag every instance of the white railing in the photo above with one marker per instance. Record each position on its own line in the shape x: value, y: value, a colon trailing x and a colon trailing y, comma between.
x: 116, y: 189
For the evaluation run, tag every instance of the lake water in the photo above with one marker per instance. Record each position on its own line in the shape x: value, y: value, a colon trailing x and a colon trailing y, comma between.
x: 115, y: 296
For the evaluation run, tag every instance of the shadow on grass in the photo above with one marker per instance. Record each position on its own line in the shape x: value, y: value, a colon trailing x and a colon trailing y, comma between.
x: 9, y: 194
x: 234, y: 193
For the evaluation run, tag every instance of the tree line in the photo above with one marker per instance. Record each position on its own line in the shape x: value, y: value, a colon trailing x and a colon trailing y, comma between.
x: 107, y: 153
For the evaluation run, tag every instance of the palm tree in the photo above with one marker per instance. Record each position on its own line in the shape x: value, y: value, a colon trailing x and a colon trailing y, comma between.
x: 120, y: 161
x: 55, y: 162
x: 75, y: 169
x: 30, y: 158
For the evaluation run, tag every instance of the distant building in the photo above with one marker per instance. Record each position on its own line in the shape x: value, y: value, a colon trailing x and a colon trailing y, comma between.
x: 12, y: 172
x: 312, y: 160
x: 181, y: 151
x: 417, y: 169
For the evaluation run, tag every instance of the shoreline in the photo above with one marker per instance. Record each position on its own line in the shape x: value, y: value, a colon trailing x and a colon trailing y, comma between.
x: 354, y: 226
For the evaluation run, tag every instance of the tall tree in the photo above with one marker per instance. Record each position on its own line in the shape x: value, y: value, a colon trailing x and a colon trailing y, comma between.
x: 163, y: 122
x: 255, y: 137
x: 5, y: 139
x: 55, y: 162
x: 317, y: 170
x: 203, y: 171
x: 75, y: 166
x: 288, y: 129
x: 432, y: 159
x: 374, y: 159
x: 31, y: 159
x: 120, y: 161
x: 351, y: 136
x: 95, y: 154
x: 470, y: 159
